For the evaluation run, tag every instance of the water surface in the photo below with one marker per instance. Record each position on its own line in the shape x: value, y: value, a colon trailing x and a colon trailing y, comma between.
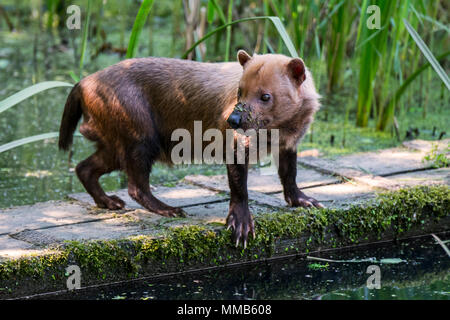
x: 413, y: 269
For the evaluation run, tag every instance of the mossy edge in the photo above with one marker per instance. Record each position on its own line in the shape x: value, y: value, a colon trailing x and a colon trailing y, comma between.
x: 392, y: 215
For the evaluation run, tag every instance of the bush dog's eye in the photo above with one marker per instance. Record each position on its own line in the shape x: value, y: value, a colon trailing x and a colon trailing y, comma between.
x: 239, y: 93
x: 265, y: 97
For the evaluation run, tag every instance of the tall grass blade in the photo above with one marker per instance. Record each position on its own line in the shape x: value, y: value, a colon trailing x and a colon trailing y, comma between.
x: 143, y: 12
x: 435, y: 22
x: 371, y: 54
x: 39, y: 137
x: 30, y: 91
x: 85, y: 38
x: 284, y: 36
x: 210, y: 12
x: 340, y: 27
x: 228, y: 40
x: 18, y: 143
x: 276, y: 22
x: 214, y: 7
x: 388, y: 61
x: 388, y: 113
x: 427, y: 53
x: 51, y: 8
x: 74, y: 77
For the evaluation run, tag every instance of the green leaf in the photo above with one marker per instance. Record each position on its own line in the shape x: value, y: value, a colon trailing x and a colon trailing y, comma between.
x: 284, y: 36
x: 276, y: 22
x: 85, y: 36
x: 26, y: 140
x: 218, y: 10
x: 39, y: 137
x: 388, y: 109
x: 143, y: 12
x: 426, y: 51
x: 435, y: 22
x: 30, y: 91
x: 211, y: 11
x: 74, y: 76
x: 228, y: 39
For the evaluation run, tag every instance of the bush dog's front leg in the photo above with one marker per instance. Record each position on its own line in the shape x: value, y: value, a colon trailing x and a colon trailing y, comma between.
x: 239, y: 217
x: 287, y: 171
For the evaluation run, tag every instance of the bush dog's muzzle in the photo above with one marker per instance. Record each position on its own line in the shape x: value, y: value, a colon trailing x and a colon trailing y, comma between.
x: 235, y: 118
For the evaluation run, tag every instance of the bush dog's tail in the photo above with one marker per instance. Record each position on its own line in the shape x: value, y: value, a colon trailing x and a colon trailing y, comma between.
x: 71, y: 116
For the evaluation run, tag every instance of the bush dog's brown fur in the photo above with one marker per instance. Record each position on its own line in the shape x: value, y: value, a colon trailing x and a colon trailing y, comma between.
x: 131, y: 109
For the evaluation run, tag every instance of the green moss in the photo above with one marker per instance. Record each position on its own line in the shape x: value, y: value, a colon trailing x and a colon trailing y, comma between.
x: 280, y: 232
x: 103, y: 257
x: 33, y: 266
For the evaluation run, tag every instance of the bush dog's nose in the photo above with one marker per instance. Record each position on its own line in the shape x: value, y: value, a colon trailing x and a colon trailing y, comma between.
x: 234, y: 120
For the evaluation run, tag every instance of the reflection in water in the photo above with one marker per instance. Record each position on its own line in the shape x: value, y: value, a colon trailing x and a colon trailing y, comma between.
x: 422, y: 272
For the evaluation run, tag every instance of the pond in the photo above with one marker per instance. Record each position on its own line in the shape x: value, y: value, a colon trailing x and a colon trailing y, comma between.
x: 409, y: 269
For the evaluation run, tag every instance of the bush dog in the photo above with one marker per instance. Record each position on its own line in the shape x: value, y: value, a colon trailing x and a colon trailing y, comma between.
x: 130, y: 110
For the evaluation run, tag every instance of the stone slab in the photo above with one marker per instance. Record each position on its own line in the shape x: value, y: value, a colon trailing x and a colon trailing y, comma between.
x: 339, y: 195
x: 219, y: 183
x: 130, y: 224
x: 309, y: 153
x: 117, y: 228
x: 180, y: 196
x: 34, y: 237
x: 306, y: 178
x: 12, y: 248
x: 43, y: 215
x: 377, y: 163
x: 217, y: 212
x: 425, y: 145
x: 427, y: 177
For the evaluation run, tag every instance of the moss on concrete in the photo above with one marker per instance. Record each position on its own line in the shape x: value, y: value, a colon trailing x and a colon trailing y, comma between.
x: 391, y: 215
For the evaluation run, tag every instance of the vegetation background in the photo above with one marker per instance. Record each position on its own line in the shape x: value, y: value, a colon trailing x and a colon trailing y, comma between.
x: 379, y: 86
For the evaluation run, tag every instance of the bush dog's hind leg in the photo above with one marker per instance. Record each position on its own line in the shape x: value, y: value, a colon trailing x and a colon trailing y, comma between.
x: 287, y: 171
x: 138, y: 170
x: 239, y: 217
x: 89, y: 171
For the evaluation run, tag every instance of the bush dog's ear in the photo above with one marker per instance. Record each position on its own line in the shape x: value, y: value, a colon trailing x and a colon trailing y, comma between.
x: 296, y: 69
x: 243, y: 57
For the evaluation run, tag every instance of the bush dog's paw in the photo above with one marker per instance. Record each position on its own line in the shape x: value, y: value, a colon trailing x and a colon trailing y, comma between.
x: 241, y: 221
x: 302, y: 200
x: 111, y: 203
x: 171, y: 213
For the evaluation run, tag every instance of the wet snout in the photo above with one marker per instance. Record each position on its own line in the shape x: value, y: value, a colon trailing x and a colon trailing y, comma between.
x: 234, y: 120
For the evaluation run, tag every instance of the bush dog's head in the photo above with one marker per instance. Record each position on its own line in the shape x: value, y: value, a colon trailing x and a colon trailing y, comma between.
x: 270, y: 91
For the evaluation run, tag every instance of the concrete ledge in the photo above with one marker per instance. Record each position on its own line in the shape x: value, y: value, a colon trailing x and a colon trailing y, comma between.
x: 399, y: 214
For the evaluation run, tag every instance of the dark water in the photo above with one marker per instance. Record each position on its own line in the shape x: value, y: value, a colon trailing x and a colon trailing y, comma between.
x: 413, y: 269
